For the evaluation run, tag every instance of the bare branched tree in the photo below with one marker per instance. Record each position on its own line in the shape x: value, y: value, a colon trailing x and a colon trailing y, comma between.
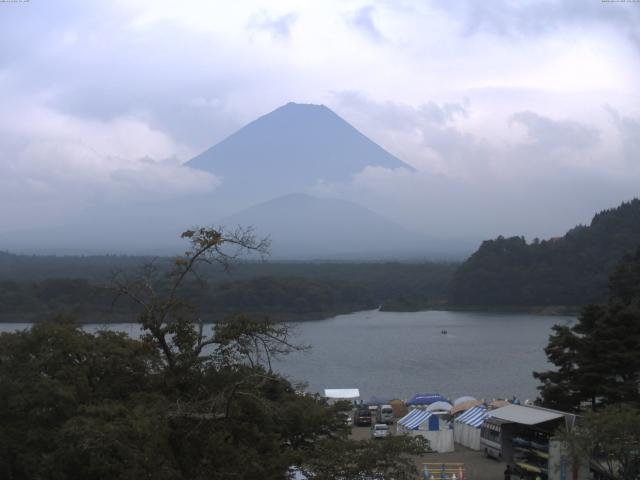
x: 169, y: 322
x: 240, y: 348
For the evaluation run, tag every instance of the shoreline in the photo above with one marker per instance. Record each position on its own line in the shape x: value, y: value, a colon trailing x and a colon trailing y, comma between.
x: 98, y: 318
x: 545, y: 311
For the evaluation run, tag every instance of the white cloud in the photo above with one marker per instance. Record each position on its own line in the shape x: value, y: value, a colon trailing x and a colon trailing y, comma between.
x: 469, y: 184
x: 279, y: 27
x: 88, y: 91
x: 54, y: 165
x: 364, y: 20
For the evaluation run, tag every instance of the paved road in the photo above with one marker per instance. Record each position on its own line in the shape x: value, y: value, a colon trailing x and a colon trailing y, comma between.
x: 477, y: 467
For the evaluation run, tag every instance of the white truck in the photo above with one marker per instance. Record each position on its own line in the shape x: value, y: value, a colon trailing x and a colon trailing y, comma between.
x: 384, y: 414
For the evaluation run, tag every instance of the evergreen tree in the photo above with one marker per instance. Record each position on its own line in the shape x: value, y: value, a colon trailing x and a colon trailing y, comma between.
x: 571, y: 270
x: 598, y: 358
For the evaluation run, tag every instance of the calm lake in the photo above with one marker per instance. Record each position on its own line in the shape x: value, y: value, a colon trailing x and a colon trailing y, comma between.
x: 391, y: 354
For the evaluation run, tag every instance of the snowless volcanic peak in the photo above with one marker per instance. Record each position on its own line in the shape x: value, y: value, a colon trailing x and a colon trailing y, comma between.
x: 292, y: 148
x: 302, y: 226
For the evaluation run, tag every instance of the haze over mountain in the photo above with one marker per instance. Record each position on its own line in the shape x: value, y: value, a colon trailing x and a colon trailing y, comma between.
x: 290, y: 149
x: 281, y: 154
x: 306, y: 227
x: 540, y: 114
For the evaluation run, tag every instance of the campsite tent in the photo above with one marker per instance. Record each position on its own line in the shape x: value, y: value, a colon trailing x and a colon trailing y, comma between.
x: 440, y: 406
x: 463, y: 406
x: 498, y: 403
x: 399, y: 408
x: 466, y: 428
x: 342, y: 393
x: 425, y: 399
x: 428, y: 425
x: 462, y: 399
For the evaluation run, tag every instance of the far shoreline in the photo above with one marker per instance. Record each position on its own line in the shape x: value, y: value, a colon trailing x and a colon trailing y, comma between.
x: 105, y: 318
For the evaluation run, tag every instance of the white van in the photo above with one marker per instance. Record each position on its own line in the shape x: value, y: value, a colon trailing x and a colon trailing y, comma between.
x: 385, y: 414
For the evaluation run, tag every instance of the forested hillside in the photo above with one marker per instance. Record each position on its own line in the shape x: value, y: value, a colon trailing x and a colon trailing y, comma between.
x: 32, y: 287
x: 571, y: 270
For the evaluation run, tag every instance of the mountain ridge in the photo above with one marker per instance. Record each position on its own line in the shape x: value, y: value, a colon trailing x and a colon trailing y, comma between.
x: 291, y: 149
x: 571, y: 270
x: 304, y: 226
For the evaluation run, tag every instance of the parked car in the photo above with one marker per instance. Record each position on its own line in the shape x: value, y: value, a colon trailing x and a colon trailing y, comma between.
x: 380, y: 430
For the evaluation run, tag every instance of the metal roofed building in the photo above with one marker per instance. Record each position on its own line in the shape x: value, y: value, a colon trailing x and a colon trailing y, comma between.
x: 526, y: 415
x: 523, y: 435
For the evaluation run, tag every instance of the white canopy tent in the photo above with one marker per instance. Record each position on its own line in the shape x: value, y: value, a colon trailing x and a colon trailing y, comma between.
x: 342, y: 393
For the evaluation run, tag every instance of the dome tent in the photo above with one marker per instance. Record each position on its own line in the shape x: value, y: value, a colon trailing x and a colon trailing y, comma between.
x: 440, y: 406
x: 464, y: 398
x: 399, y: 408
x: 423, y: 399
x: 463, y: 406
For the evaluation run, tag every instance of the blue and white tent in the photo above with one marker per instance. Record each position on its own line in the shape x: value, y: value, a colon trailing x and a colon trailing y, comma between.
x: 466, y: 428
x: 415, y: 418
x: 425, y: 399
x: 473, y: 417
x: 430, y: 426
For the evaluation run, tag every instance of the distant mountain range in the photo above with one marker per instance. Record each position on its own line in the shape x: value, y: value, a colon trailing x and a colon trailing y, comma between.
x: 570, y: 270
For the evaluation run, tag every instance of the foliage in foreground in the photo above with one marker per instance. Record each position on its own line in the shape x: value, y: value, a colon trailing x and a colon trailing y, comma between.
x: 610, y: 438
x: 176, y: 404
x: 598, y: 358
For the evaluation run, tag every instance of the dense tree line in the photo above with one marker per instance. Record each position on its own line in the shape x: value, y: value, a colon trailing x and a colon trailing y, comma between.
x: 571, y: 270
x: 292, y: 291
x: 175, y: 404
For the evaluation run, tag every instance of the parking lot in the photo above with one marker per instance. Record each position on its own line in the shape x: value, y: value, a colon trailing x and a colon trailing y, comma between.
x: 477, y: 467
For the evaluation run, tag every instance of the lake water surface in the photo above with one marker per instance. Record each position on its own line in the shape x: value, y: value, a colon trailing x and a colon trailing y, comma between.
x: 486, y: 355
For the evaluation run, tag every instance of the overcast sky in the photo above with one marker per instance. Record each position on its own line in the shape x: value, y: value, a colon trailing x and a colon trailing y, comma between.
x: 519, y: 117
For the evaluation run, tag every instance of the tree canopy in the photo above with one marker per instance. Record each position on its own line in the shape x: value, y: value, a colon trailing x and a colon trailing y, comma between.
x: 608, y: 440
x: 598, y: 358
x: 176, y: 403
x: 571, y: 270
x: 33, y: 287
